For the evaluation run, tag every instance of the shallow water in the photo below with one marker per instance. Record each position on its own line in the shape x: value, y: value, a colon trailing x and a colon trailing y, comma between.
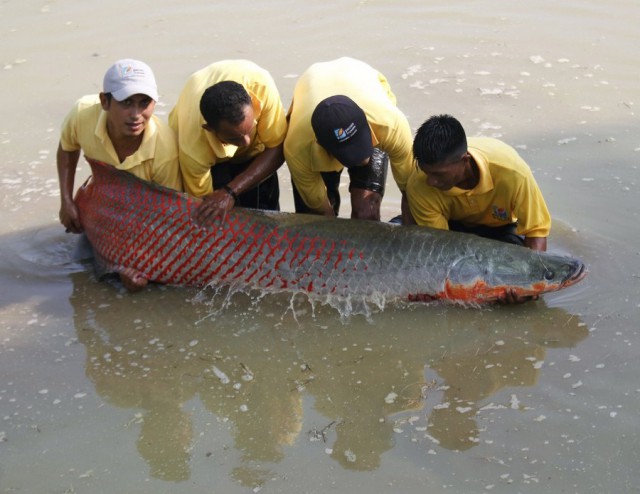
x: 180, y: 390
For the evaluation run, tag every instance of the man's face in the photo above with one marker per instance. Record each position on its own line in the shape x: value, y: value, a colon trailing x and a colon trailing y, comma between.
x: 236, y: 135
x: 129, y: 117
x: 447, y: 174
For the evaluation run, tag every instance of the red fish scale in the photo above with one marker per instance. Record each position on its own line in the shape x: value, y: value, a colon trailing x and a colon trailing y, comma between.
x: 192, y: 252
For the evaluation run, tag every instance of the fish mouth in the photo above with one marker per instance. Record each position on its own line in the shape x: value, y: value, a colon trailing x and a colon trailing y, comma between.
x: 578, y: 275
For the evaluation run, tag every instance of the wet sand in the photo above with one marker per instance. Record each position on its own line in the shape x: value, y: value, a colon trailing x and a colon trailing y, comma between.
x: 179, y: 390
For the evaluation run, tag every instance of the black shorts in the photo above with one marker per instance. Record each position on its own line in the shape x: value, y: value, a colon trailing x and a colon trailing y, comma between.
x: 506, y: 233
x: 265, y: 195
x: 372, y: 177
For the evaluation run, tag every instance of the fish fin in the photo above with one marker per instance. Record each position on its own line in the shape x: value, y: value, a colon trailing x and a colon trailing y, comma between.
x: 82, y: 250
x: 103, y: 267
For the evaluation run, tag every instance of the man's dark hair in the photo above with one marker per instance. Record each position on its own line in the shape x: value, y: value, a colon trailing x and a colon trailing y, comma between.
x: 439, y: 139
x: 224, y: 100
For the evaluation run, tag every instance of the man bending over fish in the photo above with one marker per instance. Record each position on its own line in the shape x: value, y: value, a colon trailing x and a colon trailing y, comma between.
x: 344, y: 115
x: 117, y: 127
x: 480, y: 186
x: 231, y: 125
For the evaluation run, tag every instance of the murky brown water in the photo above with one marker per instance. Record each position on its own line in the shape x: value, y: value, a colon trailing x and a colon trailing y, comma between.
x: 175, y: 390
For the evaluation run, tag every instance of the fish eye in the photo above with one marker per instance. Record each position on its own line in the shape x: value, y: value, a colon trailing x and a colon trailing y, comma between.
x: 549, y: 275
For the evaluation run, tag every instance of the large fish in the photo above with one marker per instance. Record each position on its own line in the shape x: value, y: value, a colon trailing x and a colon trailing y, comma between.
x: 136, y: 224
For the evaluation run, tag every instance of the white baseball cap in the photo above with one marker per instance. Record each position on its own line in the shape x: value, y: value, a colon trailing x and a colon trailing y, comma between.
x: 127, y: 77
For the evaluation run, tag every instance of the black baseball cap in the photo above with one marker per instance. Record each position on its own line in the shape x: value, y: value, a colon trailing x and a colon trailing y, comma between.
x: 342, y: 129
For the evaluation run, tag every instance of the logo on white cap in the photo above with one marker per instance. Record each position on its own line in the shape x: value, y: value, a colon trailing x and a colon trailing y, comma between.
x: 128, y: 77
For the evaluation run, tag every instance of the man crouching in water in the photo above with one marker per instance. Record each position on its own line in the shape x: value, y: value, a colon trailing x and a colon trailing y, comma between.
x: 118, y: 127
x: 480, y: 186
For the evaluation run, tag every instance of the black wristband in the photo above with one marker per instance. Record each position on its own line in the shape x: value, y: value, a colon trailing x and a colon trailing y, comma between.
x: 230, y: 192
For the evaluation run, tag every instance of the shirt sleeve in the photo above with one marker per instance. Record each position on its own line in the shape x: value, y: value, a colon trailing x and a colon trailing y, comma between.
x: 68, y: 135
x: 196, y: 177
x: 534, y: 219
x: 309, y: 184
x: 184, y: 120
x: 400, y: 150
x: 425, y: 212
x: 272, y: 124
x: 166, y: 169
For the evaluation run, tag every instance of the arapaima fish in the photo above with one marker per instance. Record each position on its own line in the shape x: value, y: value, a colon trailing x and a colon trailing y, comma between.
x: 136, y: 224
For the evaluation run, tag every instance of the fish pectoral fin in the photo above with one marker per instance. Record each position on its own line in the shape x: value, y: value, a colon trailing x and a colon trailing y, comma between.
x: 133, y: 280
x: 101, y: 266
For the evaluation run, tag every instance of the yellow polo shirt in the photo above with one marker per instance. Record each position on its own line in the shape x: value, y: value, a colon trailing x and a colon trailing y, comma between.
x: 507, y: 192
x: 199, y: 149
x: 366, y: 86
x: 156, y: 160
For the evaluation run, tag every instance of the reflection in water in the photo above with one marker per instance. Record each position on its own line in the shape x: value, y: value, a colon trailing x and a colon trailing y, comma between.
x: 165, y: 440
x: 508, y: 357
x: 374, y: 384
x: 131, y: 363
x: 255, y: 367
x: 144, y: 352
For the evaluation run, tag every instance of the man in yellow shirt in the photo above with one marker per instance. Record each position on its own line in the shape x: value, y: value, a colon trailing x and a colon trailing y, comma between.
x: 117, y: 127
x: 344, y: 114
x: 481, y: 186
x: 231, y: 126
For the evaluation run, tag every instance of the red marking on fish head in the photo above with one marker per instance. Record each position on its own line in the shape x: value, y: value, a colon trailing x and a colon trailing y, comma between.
x: 481, y: 292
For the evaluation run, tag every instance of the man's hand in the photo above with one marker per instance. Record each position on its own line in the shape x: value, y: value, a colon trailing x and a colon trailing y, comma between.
x: 66, y: 162
x: 70, y: 217
x: 215, y: 205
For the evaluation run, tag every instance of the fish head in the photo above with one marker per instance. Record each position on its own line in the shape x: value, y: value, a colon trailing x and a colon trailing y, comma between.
x: 485, y: 275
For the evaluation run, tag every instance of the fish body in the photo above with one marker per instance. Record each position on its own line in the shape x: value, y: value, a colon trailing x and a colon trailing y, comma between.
x: 136, y: 224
